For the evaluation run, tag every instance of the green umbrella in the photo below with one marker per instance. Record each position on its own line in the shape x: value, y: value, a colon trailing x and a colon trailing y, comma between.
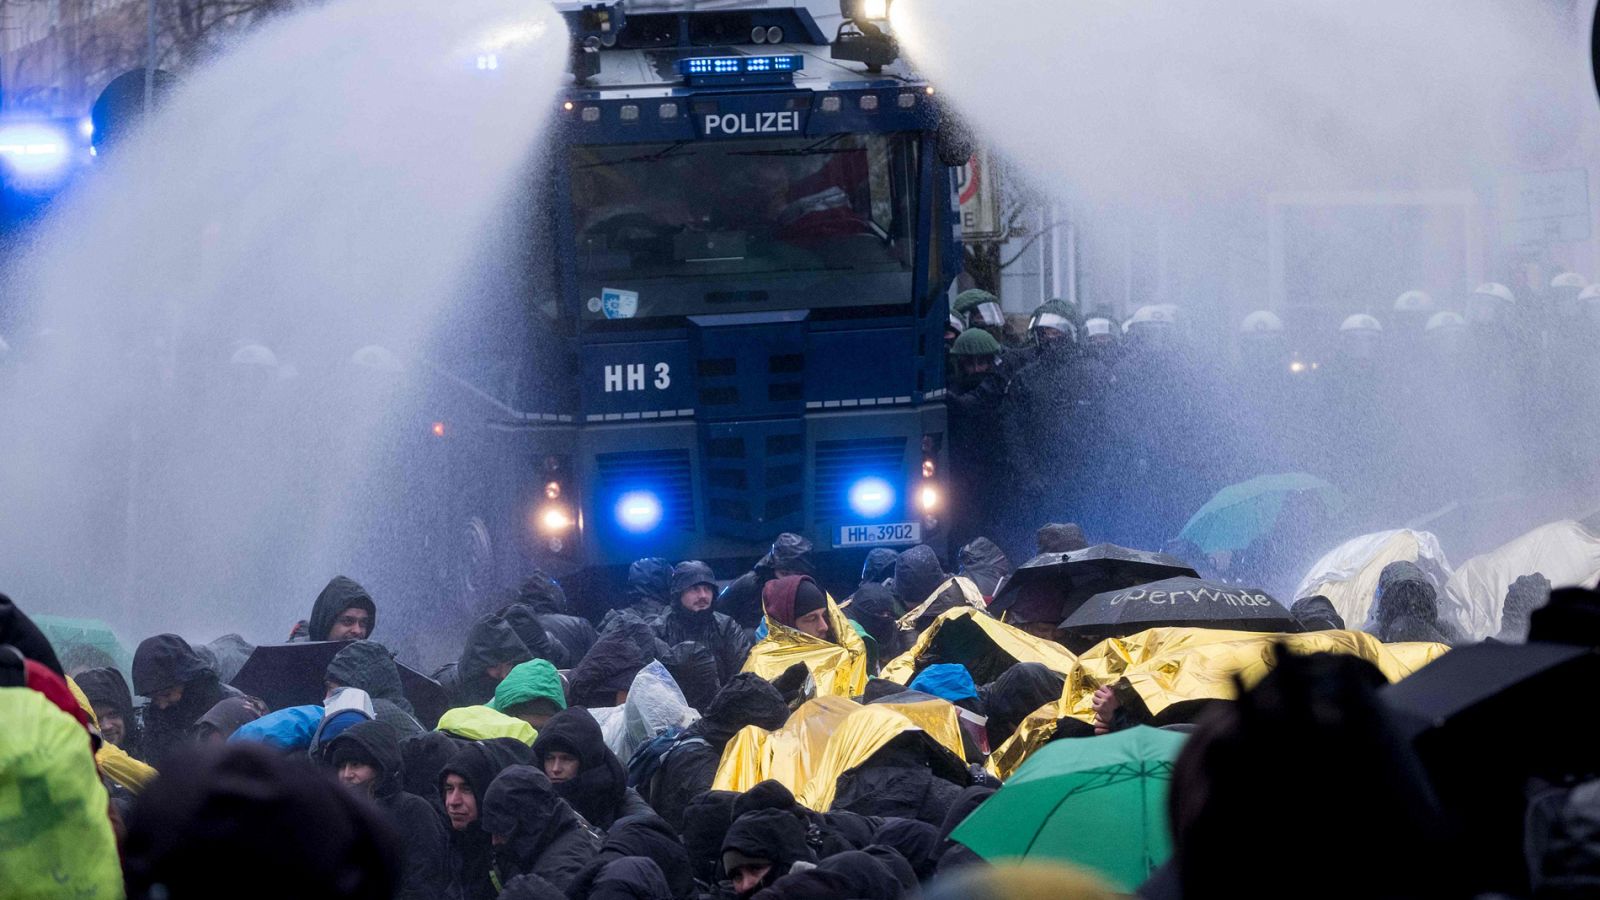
x: 1098, y: 802
x: 85, y: 643
x: 1239, y: 514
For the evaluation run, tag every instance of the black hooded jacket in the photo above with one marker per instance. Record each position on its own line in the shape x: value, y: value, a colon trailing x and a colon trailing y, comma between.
x: 705, y: 824
x: 490, y: 641
x: 741, y: 599
x: 108, y: 693
x: 1406, y: 607
x: 600, y: 792
x: 19, y: 631
x: 868, y: 879
x: 728, y: 642
x: 610, y: 666
x: 690, y: 766
x: 340, y: 594
x: 571, y: 636
x: 424, y: 836
x: 1316, y: 613
x: 873, y: 607
x: 543, y: 835
x: 911, y: 777
x: 471, y: 853
x: 162, y: 662
x: 917, y: 842
x: 529, y: 626
x: 917, y: 574
x: 879, y: 567
x: 985, y: 564
x: 827, y: 833
x: 1013, y: 696
x: 370, y: 666
x: 772, y: 835
x: 647, y: 836
x: 952, y: 855
x: 649, y: 586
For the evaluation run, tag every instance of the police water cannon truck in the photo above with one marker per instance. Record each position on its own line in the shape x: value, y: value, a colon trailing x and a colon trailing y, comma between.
x: 742, y: 300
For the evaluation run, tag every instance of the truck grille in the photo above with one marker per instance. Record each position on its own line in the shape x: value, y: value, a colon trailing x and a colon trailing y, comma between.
x: 840, y: 463
x: 666, y: 473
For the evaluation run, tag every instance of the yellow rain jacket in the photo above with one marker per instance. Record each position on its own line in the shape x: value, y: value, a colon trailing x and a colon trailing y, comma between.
x: 984, y: 644
x: 113, y: 760
x: 840, y: 669
x: 55, y: 831
x: 480, y: 723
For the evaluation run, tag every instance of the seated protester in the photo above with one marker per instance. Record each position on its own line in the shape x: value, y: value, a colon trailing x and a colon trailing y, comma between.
x: 344, y: 611
x: 366, y: 758
x: 863, y: 875
x: 531, y: 692
x: 1014, y: 696
x: 606, y: 672
x: 689, y: 765
x: 1525, y: 595
x: 647, y: 836
x: 421, y: 758
x: 529, y: 626
x: 705, y: 824
x: 949, y: 681
x: 461, y: 785
x: 181, y: 689
x: 574, y: 756
x: 953, y: 855
x: 649, y: 587
x: 827, y: 833
x: 628, y: 878
x: 910, y: 885
x: 761, y: 847
x: 344, y: 708
x: 983, y: 562
x: 370, y: 666
x: 875, y: 610
x: 918, y: 843
x: 917, y: 574
x: 1405, y: 607
x: 534, y: 831
x: 491, y: 651
x: 481, y: 723
x: 221, y: 721
x: 911, y: 777
x: 690, y: 618
x: 796, y: 602
x: 879, y: 567
x: 571, y: 637
x: 741, y: 599
x: 1316, y: 613
x: 108, y: 693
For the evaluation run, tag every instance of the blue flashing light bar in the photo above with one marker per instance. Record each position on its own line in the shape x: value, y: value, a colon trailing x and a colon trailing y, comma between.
x: 741, y: 69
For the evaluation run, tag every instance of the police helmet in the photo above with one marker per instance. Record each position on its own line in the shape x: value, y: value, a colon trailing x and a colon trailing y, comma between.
x: 1441, y: 321
x: 981, y: 308
x: 1496, y: 291
x: 1569, y: 280
x: 956, y: 323
x: 1262, y: 321
x: 1161, y: 314
x: 1058, y: 315
x: 254, y: 355
x: 1100, y: 326
x: 975, y: 342
x: 376, y: 358
x: 1361, y: 323
x: 1414, y: 302
x: 1592, y: 292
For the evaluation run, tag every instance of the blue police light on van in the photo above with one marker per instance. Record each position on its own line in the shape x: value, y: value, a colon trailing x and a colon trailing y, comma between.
x: 871, y: 497
x: 638, y: 512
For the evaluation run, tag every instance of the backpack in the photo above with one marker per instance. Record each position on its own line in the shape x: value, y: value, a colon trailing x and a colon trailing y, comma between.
x: 650, y: 756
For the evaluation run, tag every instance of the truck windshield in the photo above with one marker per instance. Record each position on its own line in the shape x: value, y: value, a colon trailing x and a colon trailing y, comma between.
x: 739, y: 226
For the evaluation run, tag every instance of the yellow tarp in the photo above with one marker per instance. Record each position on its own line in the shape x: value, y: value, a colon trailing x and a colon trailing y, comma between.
x: 825, y: 738
x: 839, y: 669
x: 1168, y: 666
x: 480, y: 723
x: 113, y: 760
x: 1008, y: 640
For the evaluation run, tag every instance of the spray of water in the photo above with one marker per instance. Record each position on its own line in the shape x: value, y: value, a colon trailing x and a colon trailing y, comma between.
x: 220, y: 326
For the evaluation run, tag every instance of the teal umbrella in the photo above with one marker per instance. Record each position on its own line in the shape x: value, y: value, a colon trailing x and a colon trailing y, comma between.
x: 85, y: 644
x: 1098, y: 802
x: 1240, y: 514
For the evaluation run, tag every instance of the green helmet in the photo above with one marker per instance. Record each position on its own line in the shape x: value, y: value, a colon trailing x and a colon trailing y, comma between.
x: 971, y: 297
x: 979, y: 308
x: 1057, y: 314
x: 975, y: 342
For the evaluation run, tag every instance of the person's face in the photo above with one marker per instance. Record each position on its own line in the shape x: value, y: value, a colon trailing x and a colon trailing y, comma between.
x: 814, y: 623
x: 559, y: 766
x: 169, y: 697
x: 697, y: 598
x: 112, y: 728
x: 972, y: 366
x: 747, y: 878
x: 354, y: 624
x: 499, y: 671
x: 1049, y: 337
x: 460, y: 804
x: 359, y: 775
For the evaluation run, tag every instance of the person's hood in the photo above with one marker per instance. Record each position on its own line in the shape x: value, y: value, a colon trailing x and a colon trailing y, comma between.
x: 607, y: 668
x: 490, y: 641
x: 226, y: 654
x: 523, y: 807
x: 597, y: 791
x: 535, y: 679
x: 227, y: 716
x: 20, y: 632
x: 1526, y: 594
x: 1058, y: 537
x: 868, y: 879
x: 107, y: 691
x: 954, y: 593
x: 380, y: 742
x: 343, y: 709
x: 1317, y: 613
x: 917, y: 574
x: 370, y: 666
x: 947, y: 681
x: 747, y: 699
x: 770, y: 834
x: 705, y: 824
x: 791, y: 553
x: 341, y: 594
x: 525, y: 621
x: 879, y: 566
x: 650, y: 582
x: 873, y: 606
x: 651, y: 837
x: 287, y: 729
x: 541, y: 592
x: 165, y: 661
x: 479, y: 762
x: 968, y: 800
x: 632, y: 878
x: 984, y: 563
x: 917, y: 842
x: 686, y: 575
x: 769, y: 794
x: 1013, y: 696
x: 898, y: 865
x: 778, y: 597
x: 1404, y: 590
x: 481, y: 723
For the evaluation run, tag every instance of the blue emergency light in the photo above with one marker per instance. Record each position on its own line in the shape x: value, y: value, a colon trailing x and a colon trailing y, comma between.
x: 741, y: 69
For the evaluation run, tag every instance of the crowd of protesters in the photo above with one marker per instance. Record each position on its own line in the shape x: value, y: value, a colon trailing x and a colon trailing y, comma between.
x: 569, y: 760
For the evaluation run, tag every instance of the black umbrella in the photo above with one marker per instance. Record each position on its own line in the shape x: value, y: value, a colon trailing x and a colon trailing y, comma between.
x: 1488, y: 684
x: 1076, y: 576
x: 1185, y: 602
x: 293, y: 675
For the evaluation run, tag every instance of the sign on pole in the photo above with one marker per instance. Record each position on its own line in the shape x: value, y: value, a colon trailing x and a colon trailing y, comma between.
x: 1545, y: 207
x: 978, y: 190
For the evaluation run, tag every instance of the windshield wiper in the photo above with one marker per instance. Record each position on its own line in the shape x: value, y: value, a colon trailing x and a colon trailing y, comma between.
x: 821, y: 146
x: 663, y: 153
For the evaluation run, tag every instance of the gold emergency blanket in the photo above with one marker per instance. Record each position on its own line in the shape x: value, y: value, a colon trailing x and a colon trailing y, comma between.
x: 825, y: 738
x: 982, y: 643
x: 839, y: 669
x: 1165, y: 667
